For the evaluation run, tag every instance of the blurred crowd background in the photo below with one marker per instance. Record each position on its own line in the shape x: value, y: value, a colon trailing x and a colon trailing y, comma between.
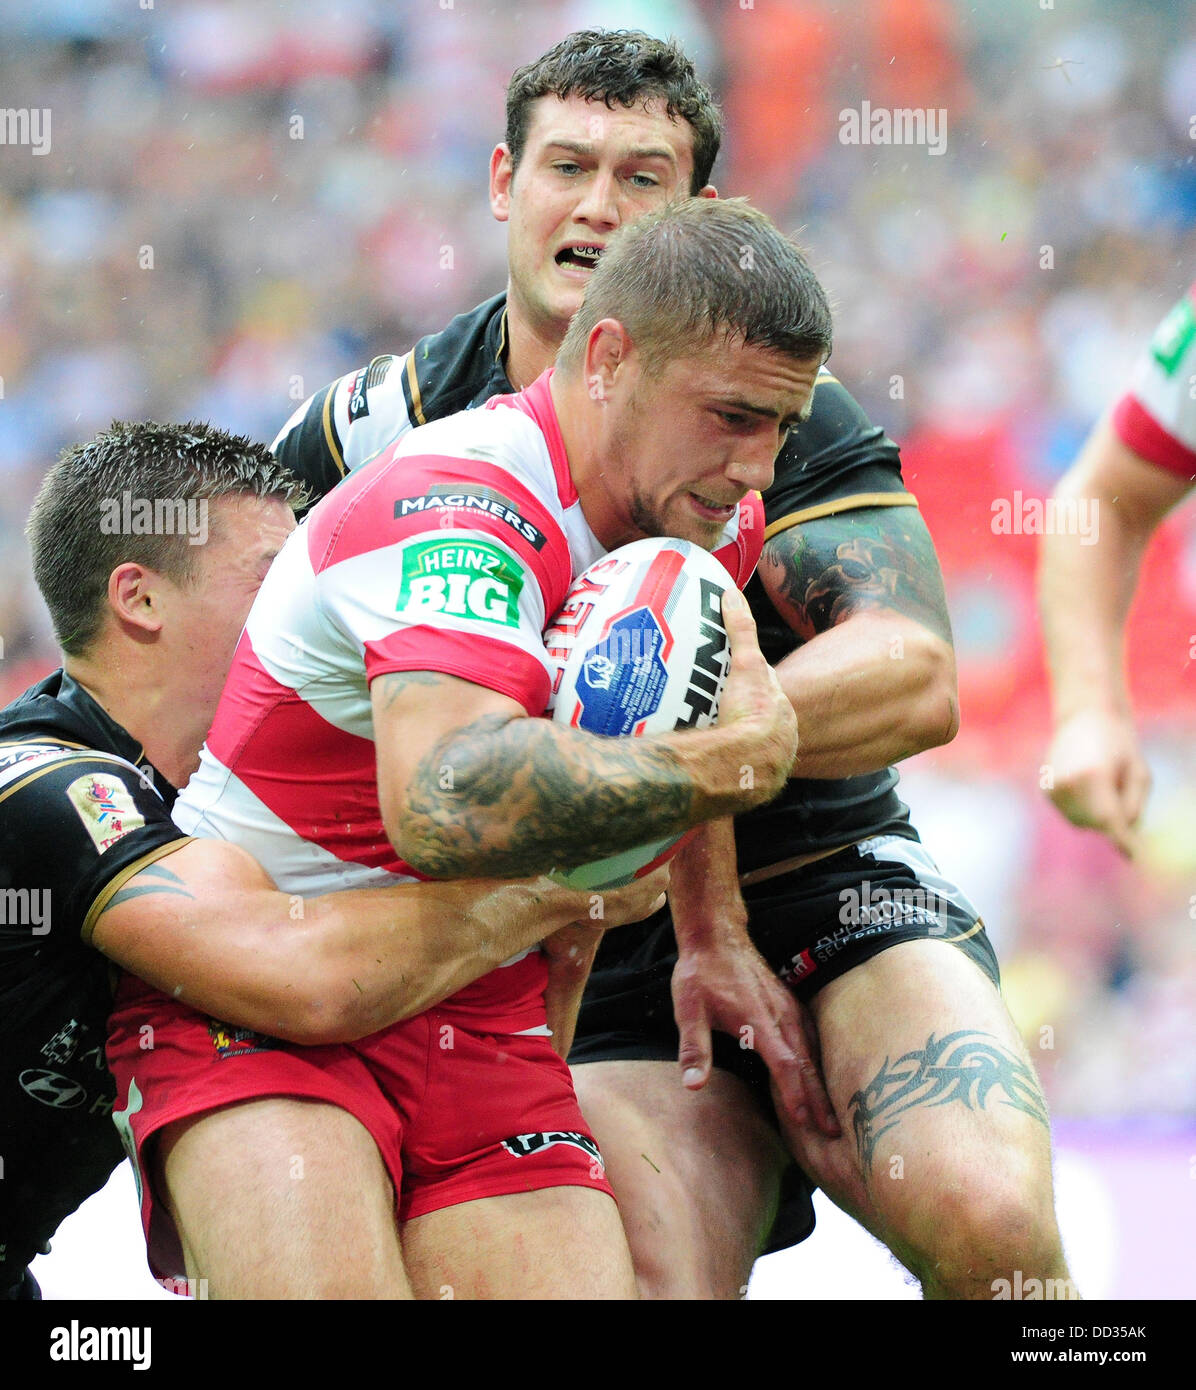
x: 242, y: 200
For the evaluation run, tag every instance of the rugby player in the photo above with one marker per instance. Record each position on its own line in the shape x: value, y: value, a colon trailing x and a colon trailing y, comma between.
x: 89, y: 760
x: 948, y: 1156
x: 1138, y: 463
x: 376, y: 724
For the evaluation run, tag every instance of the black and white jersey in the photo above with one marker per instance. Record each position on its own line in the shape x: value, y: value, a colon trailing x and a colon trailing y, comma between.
x: 81, y: 811
x: 354, y: 418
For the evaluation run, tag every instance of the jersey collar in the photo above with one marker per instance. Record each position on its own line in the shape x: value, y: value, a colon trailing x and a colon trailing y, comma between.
x: 103, y: 731
x: 496, y: 342
x: 536, y: 401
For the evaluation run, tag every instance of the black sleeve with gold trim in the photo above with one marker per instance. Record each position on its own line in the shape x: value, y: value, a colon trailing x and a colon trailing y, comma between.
x: 72, y: 822
x: 310, y: 445
x: 361, y: 414
x: 837, y: 461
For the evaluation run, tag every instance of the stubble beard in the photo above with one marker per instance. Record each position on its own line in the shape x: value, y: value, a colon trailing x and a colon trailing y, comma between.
x: 647, y: 518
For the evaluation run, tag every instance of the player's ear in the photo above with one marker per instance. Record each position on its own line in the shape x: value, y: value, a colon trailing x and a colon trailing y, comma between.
x: 134, y: 597
x: 607, y: 349
x: 502, y: 171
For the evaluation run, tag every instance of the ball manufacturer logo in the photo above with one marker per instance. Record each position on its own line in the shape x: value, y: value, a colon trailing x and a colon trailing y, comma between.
x: 711, y: 661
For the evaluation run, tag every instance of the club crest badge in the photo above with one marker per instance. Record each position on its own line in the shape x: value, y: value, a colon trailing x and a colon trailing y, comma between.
x: 105, y: 807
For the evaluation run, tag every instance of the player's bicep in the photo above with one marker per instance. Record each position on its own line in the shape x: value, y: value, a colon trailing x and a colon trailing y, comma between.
x: 820, y: 572
x: 195, y: 924
x: 420, y: 718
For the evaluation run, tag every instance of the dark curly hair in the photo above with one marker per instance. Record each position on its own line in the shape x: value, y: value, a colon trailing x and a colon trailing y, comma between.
x: 624, y: 66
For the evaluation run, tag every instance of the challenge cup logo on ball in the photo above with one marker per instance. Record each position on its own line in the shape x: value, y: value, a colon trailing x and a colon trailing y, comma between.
x: 641, y: 649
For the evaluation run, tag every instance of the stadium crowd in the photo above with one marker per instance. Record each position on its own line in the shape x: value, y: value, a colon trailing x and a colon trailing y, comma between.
x: 237, y: 203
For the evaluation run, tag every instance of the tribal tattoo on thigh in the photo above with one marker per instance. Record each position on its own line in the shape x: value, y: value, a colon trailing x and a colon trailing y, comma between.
x: 966, y: 1066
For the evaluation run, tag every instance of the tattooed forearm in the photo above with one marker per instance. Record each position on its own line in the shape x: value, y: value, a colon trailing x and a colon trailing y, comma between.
x: 512, y: 797
x: 967, y: 1066
x: 820, y: 572
x: 168, y: 883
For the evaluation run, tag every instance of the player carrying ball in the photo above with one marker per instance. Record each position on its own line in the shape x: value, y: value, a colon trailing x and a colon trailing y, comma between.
x: 947, y: 1151
x: 375, y: 727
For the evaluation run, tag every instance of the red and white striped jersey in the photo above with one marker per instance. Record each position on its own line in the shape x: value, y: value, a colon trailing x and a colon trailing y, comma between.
x: 450, y: 552
x: 1156, y: 418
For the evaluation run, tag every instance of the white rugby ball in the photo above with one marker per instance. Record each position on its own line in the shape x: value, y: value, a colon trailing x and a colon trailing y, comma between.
x: 641, y: 649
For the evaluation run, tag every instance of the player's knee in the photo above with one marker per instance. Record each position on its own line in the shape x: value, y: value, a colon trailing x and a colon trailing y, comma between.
x: 984, y: 1229
x: 675, y: 1254
x: 666, y: 1250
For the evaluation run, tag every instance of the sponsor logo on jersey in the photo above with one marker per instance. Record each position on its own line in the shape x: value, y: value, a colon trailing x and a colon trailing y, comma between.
x: 359, y: 404
x: 460, y: 578
x: 105, y: 808
x: 238, y: 1042
x: 51, y: 1088
x: 710, y: 662
x: 523, y: 1145
x: 19, y: 758
x: 442, y: 500
x: 359, y: 387
x: 62, y: 1046
x: 798, y: 968
x: 1174, y: 336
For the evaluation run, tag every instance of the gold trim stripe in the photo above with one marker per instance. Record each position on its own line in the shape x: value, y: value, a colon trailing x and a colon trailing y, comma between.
x: 413, y: 383
x: 840, y: 504
x: 118, y: 881
x: 89, y: 755
x: 33, y: 738
x: 329, y: 434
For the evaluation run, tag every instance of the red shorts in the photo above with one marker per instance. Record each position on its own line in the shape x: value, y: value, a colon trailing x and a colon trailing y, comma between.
x: 457, y: 1113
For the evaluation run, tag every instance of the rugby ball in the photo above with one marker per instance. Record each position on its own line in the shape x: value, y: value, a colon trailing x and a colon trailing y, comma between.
x: 640, y: 648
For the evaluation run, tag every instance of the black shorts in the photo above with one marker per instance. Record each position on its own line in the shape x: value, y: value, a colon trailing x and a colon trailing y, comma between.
x: 812, y: 925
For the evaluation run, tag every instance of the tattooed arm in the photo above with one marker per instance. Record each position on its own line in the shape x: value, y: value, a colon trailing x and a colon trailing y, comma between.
x: 206, y: 924
x: 874, y: 680
x: 469, y: 785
